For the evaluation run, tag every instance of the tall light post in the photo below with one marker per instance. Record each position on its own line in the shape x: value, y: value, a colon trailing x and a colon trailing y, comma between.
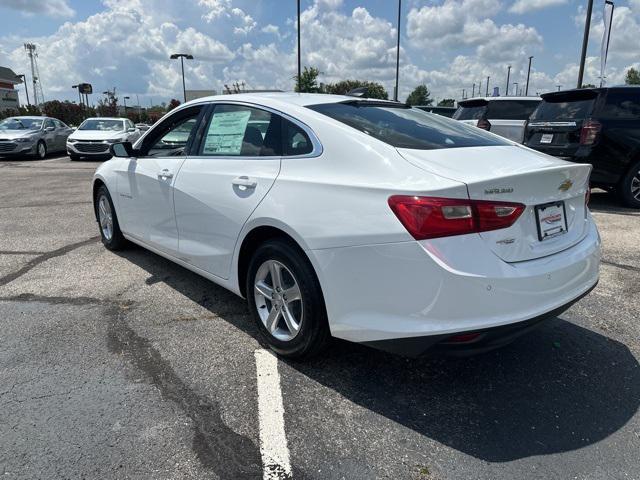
x: 516, y: 87
x: 395, y: 93
x: 585, y: 42
x: 125, y: 104
x: 79, y: 97
x: 299, y: 55
x: 26, y: 90
x: 506, y: 94
x: 473, y: 91
x: 182, y: 56
x: 526, y: 90
x: 487, y: 94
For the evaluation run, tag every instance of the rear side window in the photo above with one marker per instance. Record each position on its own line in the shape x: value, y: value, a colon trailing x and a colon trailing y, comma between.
x: 571, y: 105
x: 237, y: 130
x: 511, y: 109
x: 622, y: 105
x: 295, y: 140
x: 407, y: 127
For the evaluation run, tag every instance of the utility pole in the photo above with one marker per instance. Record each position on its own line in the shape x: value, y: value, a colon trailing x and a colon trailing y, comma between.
x: 585, y: 42
x: 488, y: 85
x: 463, y: 93
x: 506, y: 94
x: 395, y: 92
x: 526, y: 90
x: 125, y: 104
x: 473, y: 91
x: 182, y: 56
x: 26, y: 90
x: 299, y: 61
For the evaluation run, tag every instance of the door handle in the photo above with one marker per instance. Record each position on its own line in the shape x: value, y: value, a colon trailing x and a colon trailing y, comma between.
x: 244, y: 181
x: 165, y: 173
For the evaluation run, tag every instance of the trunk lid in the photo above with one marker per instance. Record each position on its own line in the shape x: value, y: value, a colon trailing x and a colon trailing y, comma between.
x: 516, y: 174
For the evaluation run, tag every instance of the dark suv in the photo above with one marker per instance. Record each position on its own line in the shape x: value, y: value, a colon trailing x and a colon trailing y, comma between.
x: 600, y: 126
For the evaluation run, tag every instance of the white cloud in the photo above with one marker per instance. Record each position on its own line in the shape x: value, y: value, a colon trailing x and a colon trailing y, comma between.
x: 526, y: 6
x: 52, y: 8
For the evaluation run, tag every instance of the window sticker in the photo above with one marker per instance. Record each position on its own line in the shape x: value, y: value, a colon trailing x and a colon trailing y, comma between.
x: 226, y: 133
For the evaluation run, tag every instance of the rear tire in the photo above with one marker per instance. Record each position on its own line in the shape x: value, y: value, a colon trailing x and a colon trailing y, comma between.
x: 110, y: 233
x: 629, y: 189
x: 277, y: 315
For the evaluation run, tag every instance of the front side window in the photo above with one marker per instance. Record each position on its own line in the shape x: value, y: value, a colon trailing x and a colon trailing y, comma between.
x: 102, y: 125
x: 240, y: 131
x: 48, y: 123
x: 405, y: 127
x: 172, y: 136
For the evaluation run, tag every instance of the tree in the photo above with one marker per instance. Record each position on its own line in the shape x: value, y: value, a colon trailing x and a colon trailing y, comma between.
x: 588, y: 85
x: 173, y: 104
x: 374, y: 89
x: 108, y: 107
x: 447, y: 102
x: 420, y: 96
x: 632, y: 77
x: 308, y: 80
x: 67, y: 112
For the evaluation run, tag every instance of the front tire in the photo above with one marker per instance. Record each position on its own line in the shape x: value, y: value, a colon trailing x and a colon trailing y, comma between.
x: 285, y: 300
x: 41, y: 150
x: 110, y: 233
x: 629, y: 189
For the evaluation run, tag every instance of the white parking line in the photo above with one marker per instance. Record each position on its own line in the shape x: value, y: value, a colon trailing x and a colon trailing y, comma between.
x: 273, y: 441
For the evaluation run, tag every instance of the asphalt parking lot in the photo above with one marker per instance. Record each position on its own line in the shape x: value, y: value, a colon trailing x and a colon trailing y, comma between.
x: 127, y: 366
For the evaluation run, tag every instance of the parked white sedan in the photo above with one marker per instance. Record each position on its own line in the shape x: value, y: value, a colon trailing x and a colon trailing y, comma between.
x: 94, y: 136
x: 364, y: 220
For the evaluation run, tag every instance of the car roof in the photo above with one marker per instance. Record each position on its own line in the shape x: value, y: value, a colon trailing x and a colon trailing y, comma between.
x: 497, y: 99
x: 274, y: 99
x: 31, y: 117
x: 105, y: 118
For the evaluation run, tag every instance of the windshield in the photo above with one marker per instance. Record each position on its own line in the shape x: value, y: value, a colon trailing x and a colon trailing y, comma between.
x: 21, y: 124
x: 407, y: 127
x: 103, y: 125
x: 570, y: 110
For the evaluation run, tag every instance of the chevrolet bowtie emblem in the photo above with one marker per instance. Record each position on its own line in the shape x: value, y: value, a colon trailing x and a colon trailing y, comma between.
x: 566, y: 185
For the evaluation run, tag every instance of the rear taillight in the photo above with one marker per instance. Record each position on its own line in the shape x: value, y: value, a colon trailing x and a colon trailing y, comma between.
x: 484, y: 124
x: 433, y: 217
x: 589, y: 132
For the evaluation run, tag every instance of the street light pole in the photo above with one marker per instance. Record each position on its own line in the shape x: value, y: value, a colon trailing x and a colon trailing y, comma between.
x: 585, y: 42
x: 516, y: 87
x: 395, y: 93
x: 488, y: 86
x: 473, y: 91
x: 526, y: 90
x: 182, y: 56
x: 79, y: 97
x: 26, y: 90
x: 506, y: 94
x: 125, y: 104
x: 299, y: 54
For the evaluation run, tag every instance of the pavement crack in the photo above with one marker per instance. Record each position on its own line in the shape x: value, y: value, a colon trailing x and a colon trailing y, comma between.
x: 43, y: 258
x: 22, y: 252
x: 53, y: 300
x: 623, y: 266
x: 218, y: 447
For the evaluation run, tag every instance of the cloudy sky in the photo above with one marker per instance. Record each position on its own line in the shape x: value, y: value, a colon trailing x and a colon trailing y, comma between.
x: 446, y: 44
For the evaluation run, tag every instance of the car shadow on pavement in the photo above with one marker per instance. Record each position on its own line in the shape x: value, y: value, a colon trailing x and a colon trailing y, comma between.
x: 560, y: 388
x: 606, y: 202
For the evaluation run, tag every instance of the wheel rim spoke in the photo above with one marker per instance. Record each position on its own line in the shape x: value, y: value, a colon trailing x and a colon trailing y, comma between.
x: 276, y: 275
x: 292, y: 294
x: 289, y: 319
x: 272, y: 320
x: 263, y: 289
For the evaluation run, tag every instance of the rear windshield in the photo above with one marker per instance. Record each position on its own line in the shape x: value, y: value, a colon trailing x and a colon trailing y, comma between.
x: 496, y: 110
x: 576, y: 110
x: 405, y: 127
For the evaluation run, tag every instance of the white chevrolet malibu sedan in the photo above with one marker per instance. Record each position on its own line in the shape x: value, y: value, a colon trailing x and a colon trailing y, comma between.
x: 370, y: 221
x: 94, y: 136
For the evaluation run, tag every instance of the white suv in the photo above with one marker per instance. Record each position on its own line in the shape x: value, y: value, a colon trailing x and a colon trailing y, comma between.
x: 504, y: 116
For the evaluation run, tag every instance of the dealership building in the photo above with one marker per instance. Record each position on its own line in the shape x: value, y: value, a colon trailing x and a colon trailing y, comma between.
x: 8, y: 93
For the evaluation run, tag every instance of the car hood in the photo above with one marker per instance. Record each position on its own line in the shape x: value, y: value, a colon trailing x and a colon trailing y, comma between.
x: 96, y: 135
x: 13, y: 134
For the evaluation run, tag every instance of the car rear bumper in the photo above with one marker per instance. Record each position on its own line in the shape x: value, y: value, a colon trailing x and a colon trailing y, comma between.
x: 405, y: 291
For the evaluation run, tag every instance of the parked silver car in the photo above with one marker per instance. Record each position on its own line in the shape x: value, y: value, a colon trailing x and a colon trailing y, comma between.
x: 95, y: 135
x: 504, y: 116
x: 32, y: 136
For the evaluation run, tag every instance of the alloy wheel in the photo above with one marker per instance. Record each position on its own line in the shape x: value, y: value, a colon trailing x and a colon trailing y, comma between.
x: 106, y: 217
x: 278, y: 300
x: 42, y: 150
x: 635, y: 186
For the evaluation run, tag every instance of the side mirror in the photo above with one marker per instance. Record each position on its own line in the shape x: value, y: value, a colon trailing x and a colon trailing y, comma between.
x: 122, y: 150
x: 131, y: 130
x: 49, y: 129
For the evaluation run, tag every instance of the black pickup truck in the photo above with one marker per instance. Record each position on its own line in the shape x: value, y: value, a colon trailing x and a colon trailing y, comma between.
x: 600, y: 126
